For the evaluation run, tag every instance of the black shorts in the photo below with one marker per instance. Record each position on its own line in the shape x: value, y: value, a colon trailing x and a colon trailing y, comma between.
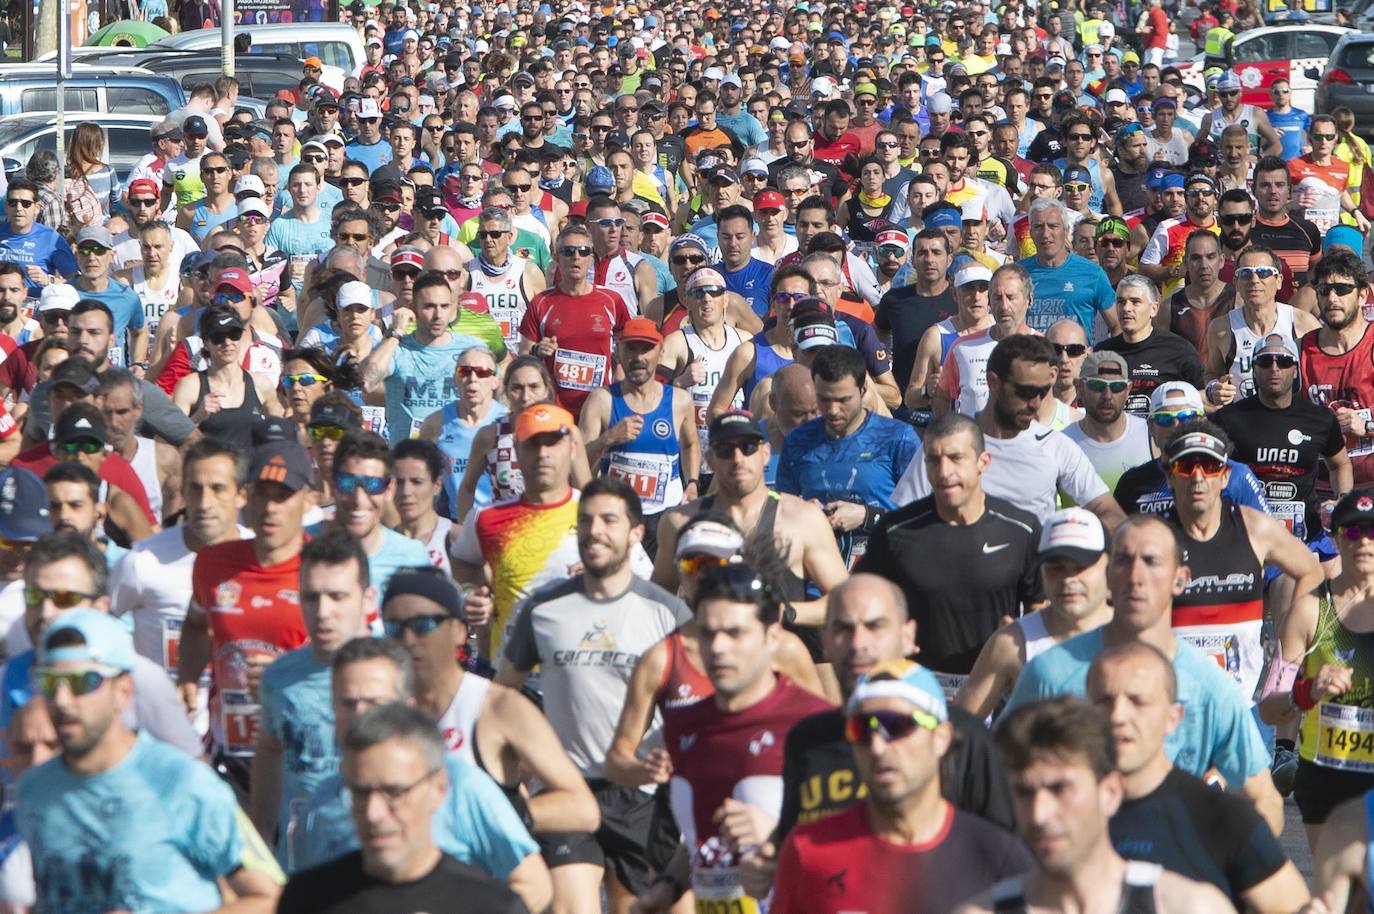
x: 237, y: 773
x: 636, y: 839
x: 1317, y: 789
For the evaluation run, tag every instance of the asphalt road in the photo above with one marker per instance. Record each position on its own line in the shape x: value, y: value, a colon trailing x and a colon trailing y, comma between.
x: 1294, y: 839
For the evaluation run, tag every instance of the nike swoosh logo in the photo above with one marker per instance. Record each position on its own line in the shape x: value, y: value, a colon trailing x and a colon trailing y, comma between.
x: 1182, y: 310
x: 989, y: 550
x: 1044, y: 436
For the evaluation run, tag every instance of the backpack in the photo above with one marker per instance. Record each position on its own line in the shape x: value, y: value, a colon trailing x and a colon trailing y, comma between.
x: 81, y: 205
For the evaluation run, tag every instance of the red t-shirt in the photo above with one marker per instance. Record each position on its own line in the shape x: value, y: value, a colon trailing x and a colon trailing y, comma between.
x: 253, y: 611
x: 115, y: 470
x: 838, y: 864
x: 17, y: 372
x: 843, y: 152
x: 585, y: 326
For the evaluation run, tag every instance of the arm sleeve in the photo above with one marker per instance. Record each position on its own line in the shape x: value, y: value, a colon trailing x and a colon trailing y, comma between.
x: 521, y: 649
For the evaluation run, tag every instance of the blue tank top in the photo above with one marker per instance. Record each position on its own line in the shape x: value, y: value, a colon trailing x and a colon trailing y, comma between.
x: 455, y: 440
x: 203, y: 222
x: 750, y: 282
x: 651, y: 462
x: 1095, y: 194
x: 766, y: 362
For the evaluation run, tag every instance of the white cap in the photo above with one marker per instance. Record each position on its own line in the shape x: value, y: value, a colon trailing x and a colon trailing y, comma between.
x: 779, y: 44
x: 367, y: 107
x: 715, y: 73
x: 939, y: 103
x: 974, y: 210
x: 1117, y: 96
x: 730, y: 79
x: 822, y: 85
x: 315, y: 144
x: 974, y: 272
x: 249, y: 184
x: 58, y: 296
x: 1106, y: 30
x: 327, y: 138
x: 374, y: 40
x: 1073, y: 533
x: 504, y: 101
x: 254, y: 205
x: 1174, y: 395
x: 355, y: 293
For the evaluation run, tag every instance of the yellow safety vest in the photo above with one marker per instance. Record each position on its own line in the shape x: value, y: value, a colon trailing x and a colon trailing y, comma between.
x: 1217, y: 39
x: 1090, y: 31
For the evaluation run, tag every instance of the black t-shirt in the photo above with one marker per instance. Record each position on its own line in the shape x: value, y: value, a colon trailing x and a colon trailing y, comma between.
x: 671, y: 152
x: 818, y: 777
x: 1199, y: 832
x: 1284, y: 447
x: 959, y: 580
x: 1139, y: 489
x: 1296, y: 235
x: 1160, y: 357
x: 341, y: 887
x: 825, y: 178
x: 1130, y: 189
x: 907, y: 315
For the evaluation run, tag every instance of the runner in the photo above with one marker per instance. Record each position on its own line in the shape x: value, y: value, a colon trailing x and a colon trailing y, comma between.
x: 506, y: 281
x: 419, y: 468
x: 455, y: 426
x: 1113, y: 439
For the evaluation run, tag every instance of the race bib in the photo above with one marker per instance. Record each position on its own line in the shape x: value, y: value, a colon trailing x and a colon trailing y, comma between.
x: 1294, y: 516
x: 508, y: 319
x: 415, y: 428
x: 575, y: 370
x: 951, y: 683
x: 240, y: 723
x: 374, y: 419
x: 648, y: 478
x: 1222, y: 647
x: 116, y: 356
x: 717, y: 890
x: 171, y: 644
x: 1360, y: 447
x: 857, y: 549
x: 1323, y: 217
x: 1345, y: 737
x: 701, y: 402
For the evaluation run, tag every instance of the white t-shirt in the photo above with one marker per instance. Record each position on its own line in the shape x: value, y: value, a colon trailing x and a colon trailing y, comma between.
x: 1113, y: 459
x: 127, y: 251
x: 1028, y: 471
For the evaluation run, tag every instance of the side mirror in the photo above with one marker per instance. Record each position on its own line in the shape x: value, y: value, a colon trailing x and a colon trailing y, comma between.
x: 13, y: 167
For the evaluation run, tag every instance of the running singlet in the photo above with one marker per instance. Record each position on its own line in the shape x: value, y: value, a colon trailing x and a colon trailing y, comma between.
x: 1137, y: 891
x: 1191, y: 322
x: 505, y: 293
x: 1336, y: 381
x: 963, y: 374
x: 766, y: 364
x: 156, y: 302
x: 1283, y: 447
x: 584, y: 327
x: 1317, y: 190
x: 714, y: 361
x: 616, y: 274
x: 455, y: 440
x: 719, y: 755
x: 527, y: 546
x: 683, y: 683
x: 503, y: 466
x: 458, y: 724
x: 1221, y: 610
x: 1241, y: 366
x: 1339, y: 732
x: 254, y: 613
x: 650, y: 461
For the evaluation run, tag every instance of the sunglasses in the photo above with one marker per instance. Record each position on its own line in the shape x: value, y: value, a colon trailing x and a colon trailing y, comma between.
x: 453, y: 275
x: 89, y: 249
x: 475, y: 371
x: 788, y: 298
x: 695, y: 564
x: 82, y: 682
x: 404, y: 273
x: 890, y: 725
x: 303, y: 380
x: 703, y: 291
x: 608, y: 222
x: 22, y: 204
x: 348, y: 483
x: 724, y: 450
x: 352, y: 182
x: 887, y: 144
x: 518, y: 188
x: 72, y: 448
x: 1190, y: 464
x: 224, y: 336
x: 1167, y: 420
x: 684, y: 260
x: 62, y: 599
x: 891, y: 250
x: 216, y: 170
x: 1356, y: 532
x: 9, y: 545
x: 1340, y: 288
x: 575, y: 250
x: 1112, y: 242
x: 227, y: 298
x: 1029, y: 392
x: 387, y: 207
x: 353, y: 236
x: 419, y: 626
x: 1236, y: 219
x: 1256, y: 273
x: 321, y: 432
x: 1229, y: 93
x: 471, y: 177
x: 1101, y: 385
x: 1275, y: 361
x: 314, y: 159
x: 1326, y: 137
x: 1077, y: 187
x: 143, y: 201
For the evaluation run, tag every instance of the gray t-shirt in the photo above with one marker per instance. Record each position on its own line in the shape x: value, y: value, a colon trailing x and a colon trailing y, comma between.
x: 161, y: 417
x: 586, y: 650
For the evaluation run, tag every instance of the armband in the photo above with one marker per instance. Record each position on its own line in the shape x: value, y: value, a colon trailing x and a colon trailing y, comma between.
x: 1302, y: 695
x: 872, y: 518
x: 663, y: 374
x: 1279, y: 676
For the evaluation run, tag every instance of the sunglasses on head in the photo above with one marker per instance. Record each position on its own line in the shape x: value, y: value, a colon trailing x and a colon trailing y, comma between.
x: 1190, y: 464
x: 78, y: 682
x: 348, y: 483
x: 1169, y: 419
x: 890, y: 725
x: 321, y: 432
x: 419, y: 626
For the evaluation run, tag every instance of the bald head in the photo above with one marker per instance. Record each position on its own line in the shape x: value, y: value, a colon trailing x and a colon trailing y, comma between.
x: 1132, y: 654
x: 792, y: 396
x: 1066, y: 331
x: 866, y: 622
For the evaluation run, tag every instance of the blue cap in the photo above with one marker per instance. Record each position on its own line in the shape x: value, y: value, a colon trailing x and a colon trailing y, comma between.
x: 907, y: 681
x: 600, y: 180
x: 1228, y: 82
x: 944, y: 217
x: 650, y: 21
x: 108, y: 642
x: 1347, y: 235
x: 1154, y: 178
x: 1173, y: 180
x: 1077, y: 174
x: 23, y: 505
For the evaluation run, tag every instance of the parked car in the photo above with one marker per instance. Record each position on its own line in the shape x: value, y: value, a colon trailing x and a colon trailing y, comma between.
x: 1347, y: 79
x: 259, y: 75
x: 127, y: 138
x: 338, y: 46
x: 1260, y: 56
x: 26, y: 88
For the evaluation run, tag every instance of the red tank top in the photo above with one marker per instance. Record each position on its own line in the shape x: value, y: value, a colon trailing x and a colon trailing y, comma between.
x: 1345, y: 380
x: 682, y: 682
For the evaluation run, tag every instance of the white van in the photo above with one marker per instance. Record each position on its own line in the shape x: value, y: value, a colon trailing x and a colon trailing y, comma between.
x: 337, y: 45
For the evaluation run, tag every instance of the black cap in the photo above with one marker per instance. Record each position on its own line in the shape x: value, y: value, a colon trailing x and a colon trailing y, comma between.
x: 326, y: 413
x: 735, y: 425
x: 195, y: 126
x: 273, y: 428
x: 285, y: 462
x: 617, y: 139
x: 23, y: 505
x: 218, y: 323
x: 1355, y: 507
x: 428, y: 201
x: 812, y: 310
x: 78, y: 373
x: 75, y: 425
x: 1196, y: 443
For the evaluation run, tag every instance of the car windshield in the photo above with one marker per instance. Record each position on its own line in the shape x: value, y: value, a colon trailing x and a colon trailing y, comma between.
x: 1358, y: 54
